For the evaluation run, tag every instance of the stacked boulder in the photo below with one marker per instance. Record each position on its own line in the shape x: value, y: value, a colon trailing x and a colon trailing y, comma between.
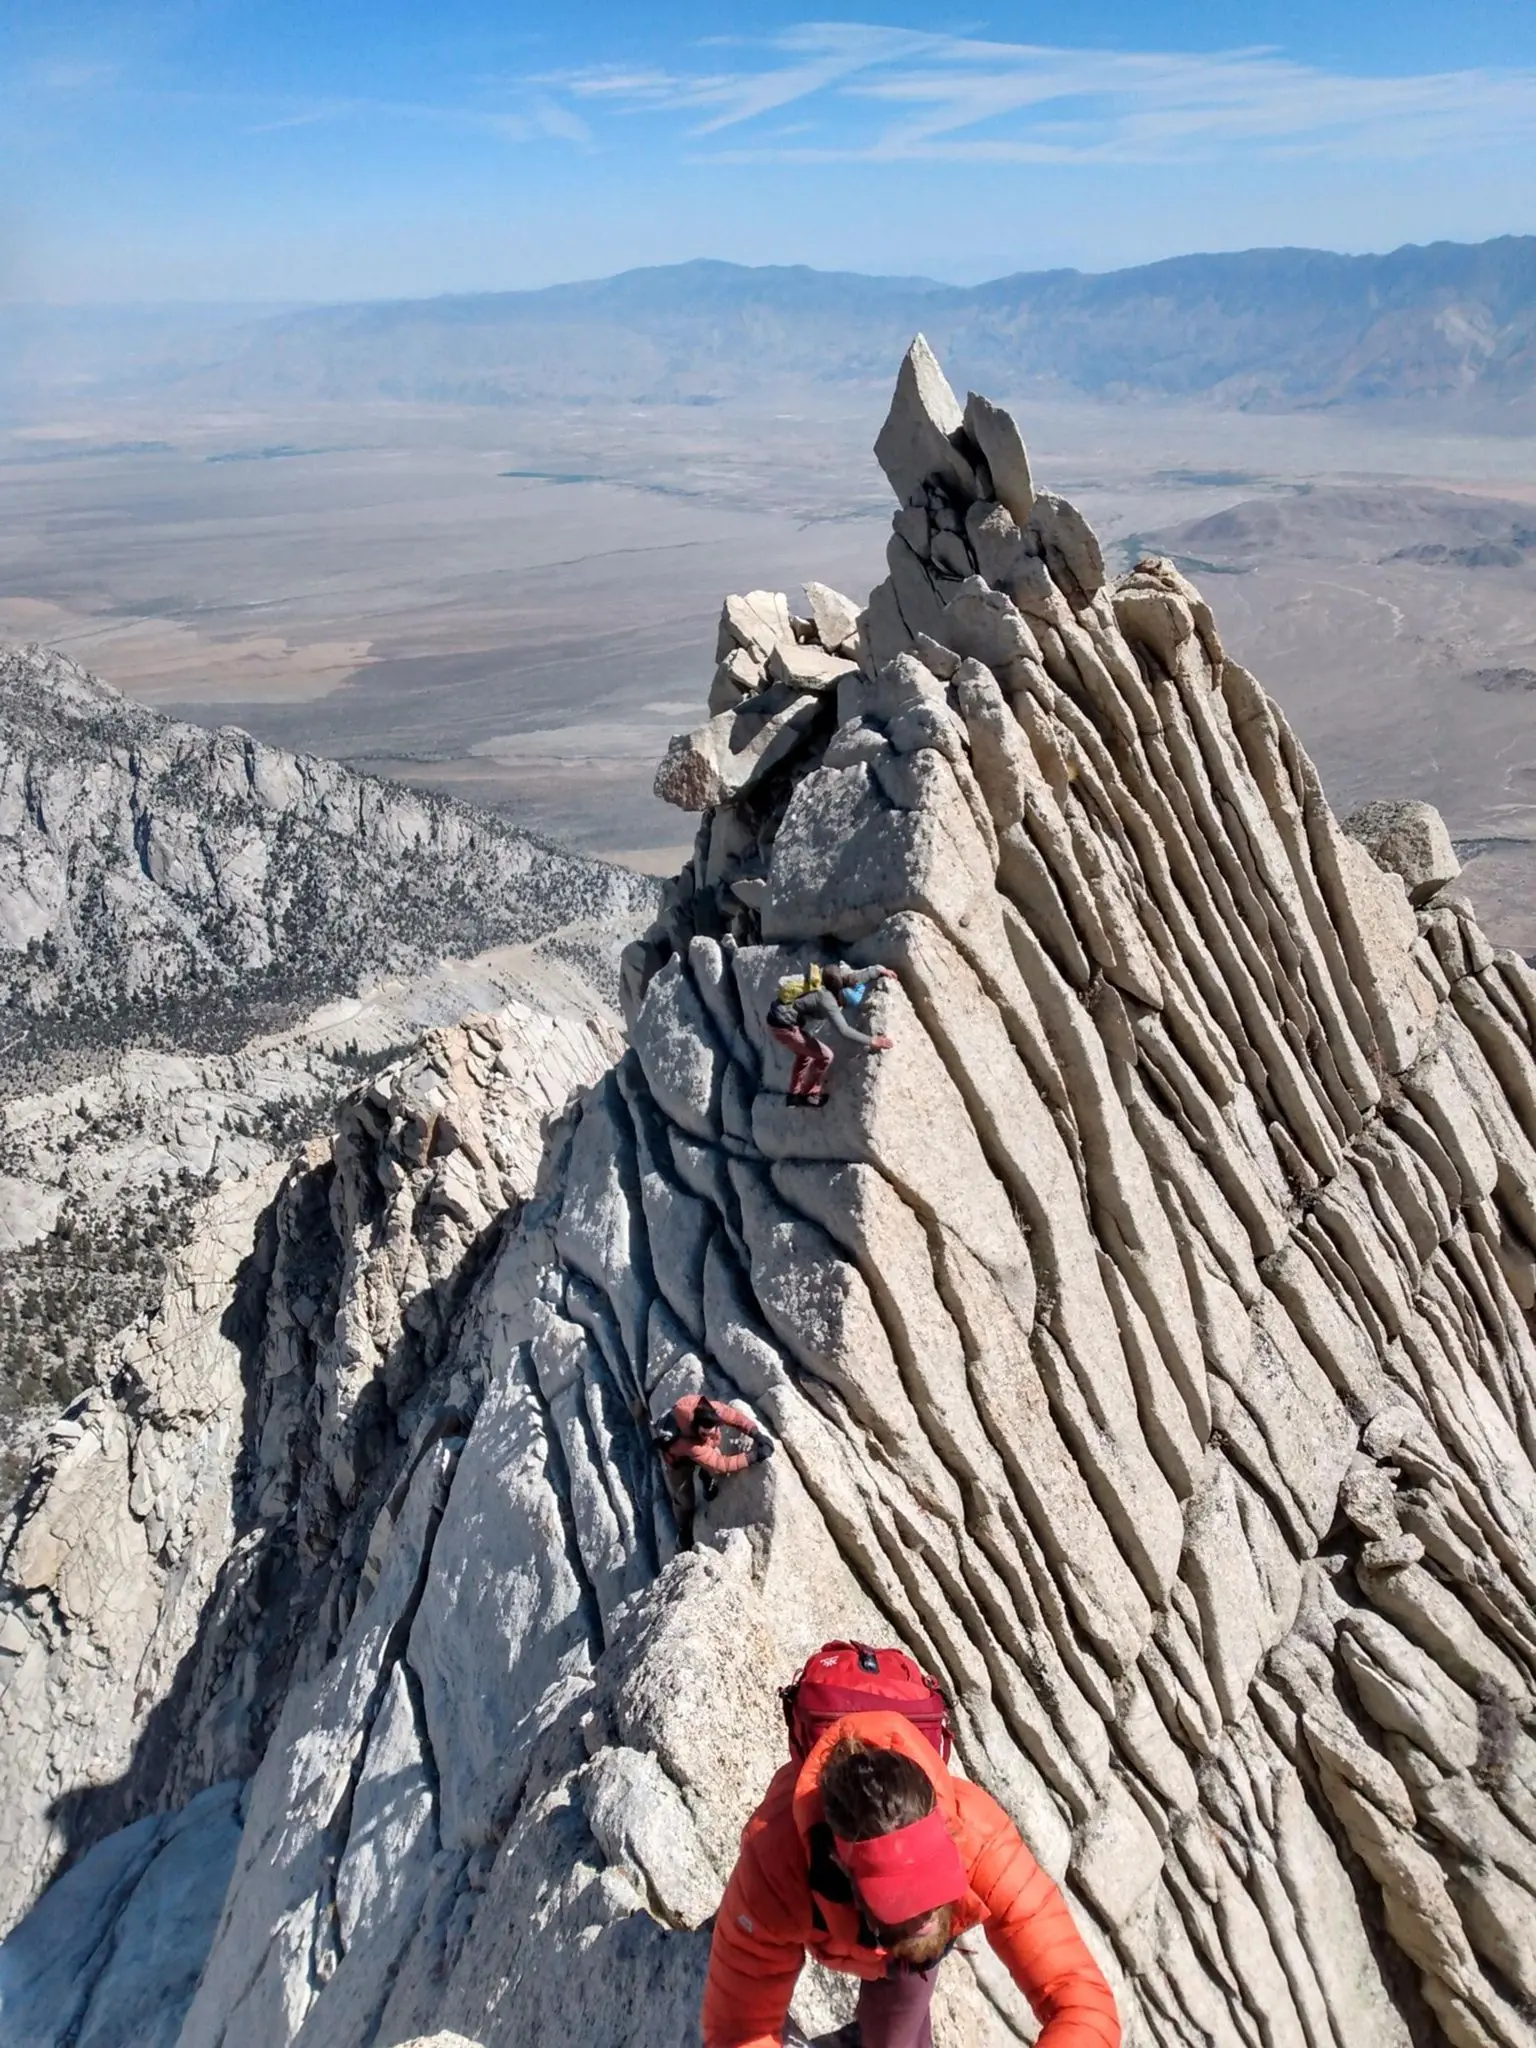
x: 774, y: 679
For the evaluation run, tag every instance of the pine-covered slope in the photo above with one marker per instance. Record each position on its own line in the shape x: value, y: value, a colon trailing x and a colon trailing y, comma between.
x: 1147, y: 1334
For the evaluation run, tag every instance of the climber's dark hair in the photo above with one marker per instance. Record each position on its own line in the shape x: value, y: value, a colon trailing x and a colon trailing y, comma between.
x: 867, y: 1791
x: 835, y: 978
x: 705, y: 1416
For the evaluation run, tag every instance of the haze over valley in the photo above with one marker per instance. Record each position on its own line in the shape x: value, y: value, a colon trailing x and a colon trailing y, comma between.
x: 478, y: 543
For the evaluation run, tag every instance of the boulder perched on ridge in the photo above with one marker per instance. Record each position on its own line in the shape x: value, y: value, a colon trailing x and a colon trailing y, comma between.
x: 1409, y: 839
x: 924, y: 432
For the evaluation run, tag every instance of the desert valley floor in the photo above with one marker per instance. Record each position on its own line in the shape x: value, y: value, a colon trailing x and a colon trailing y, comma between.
x: 517, y: 606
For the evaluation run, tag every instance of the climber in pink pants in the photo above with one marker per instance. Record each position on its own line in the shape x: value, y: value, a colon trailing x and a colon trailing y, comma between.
x: 689, y: 1441
x: 813, y: 1061
x: 819, y: 997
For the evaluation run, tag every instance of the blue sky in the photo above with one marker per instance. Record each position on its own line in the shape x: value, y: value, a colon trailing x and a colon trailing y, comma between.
x: 303, y: 149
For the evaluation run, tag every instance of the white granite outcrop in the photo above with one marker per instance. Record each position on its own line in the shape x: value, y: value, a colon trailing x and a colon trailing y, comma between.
x: 157, y: 874
x: 184, y: 1525
x: 1147, y: 1337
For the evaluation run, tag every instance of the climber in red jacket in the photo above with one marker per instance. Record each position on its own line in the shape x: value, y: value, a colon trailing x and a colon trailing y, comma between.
x: 873, y: 1858
x: 689, y: 1440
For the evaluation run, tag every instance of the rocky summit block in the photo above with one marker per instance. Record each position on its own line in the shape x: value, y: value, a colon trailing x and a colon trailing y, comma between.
x: 1409, y: 838
x: 923, y: 435
x: 1147, y: 1335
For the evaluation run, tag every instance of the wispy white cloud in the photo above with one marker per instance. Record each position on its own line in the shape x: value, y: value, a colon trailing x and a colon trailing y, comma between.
x: 878, y: 94
x: 71, y: 77
x: 515, y: 110
x: 551, y: 119
x: 536, y: 118
x: 810, y: 61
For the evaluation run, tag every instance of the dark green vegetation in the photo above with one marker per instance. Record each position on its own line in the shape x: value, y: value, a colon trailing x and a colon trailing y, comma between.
x: 60, y: 1297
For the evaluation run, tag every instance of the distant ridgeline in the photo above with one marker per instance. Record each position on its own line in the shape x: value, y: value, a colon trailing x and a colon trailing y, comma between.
x: 1265, y: 328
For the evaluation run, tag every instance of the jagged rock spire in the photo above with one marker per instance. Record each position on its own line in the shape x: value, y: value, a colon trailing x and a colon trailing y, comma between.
x: 1193, y: 1233
x: 924, y: 433
x: 1148, y: 1336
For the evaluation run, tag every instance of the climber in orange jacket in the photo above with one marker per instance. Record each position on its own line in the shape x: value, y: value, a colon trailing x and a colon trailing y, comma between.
x: 689, y: 1440
x: 870, y: 1856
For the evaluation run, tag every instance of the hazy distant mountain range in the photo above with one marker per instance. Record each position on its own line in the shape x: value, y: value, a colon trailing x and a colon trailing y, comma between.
x: 1265, y: 328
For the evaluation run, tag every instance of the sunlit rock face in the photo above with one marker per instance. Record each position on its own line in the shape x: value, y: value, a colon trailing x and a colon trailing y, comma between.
x: 1146, y: 1334
x: 161, y: 876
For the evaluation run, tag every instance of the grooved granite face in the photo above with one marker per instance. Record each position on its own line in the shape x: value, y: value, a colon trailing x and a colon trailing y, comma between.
x: 1147, y: 1335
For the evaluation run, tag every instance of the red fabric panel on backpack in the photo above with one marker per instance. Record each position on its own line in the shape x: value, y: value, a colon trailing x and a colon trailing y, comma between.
x: 834, y: 1683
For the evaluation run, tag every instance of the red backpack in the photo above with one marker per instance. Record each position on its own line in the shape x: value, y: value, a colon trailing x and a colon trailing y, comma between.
x: 851, y: 1678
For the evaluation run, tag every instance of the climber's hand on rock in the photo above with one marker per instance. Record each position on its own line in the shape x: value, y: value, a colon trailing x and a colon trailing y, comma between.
x: 762, y: 1447
x: 881, y: 1044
